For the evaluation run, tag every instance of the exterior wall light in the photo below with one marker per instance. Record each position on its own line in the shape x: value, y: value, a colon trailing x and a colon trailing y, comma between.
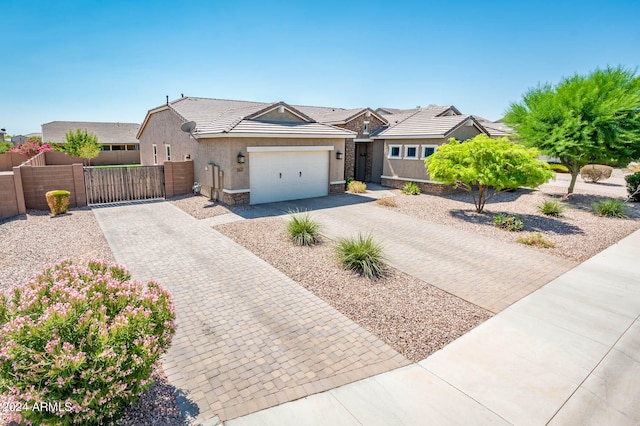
x: 338, y: 155
x: 240, y: 158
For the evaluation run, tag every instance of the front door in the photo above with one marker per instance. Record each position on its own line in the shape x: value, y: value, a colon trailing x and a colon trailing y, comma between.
x: 361, y: 162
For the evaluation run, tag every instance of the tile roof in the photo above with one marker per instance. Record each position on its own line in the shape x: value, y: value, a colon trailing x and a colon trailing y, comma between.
x: 424, y: 123
x: 495, y: 128
x: 330, y: 115
x: 108, y: 133
x: 221, y: 116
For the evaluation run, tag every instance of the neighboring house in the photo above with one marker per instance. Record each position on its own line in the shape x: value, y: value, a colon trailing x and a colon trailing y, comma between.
x: 415, y: 134
x: 247, y: 152
x: 112, y: 136
x: 18, y: 139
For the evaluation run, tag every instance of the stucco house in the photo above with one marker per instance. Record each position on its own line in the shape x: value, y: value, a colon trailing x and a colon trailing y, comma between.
x: 18, y: 139
x: 112, y: 136
x: 414, y: 134
x: 247, y: 152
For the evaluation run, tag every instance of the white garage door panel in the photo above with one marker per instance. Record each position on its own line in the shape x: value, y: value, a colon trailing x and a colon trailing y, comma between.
x: 279, y: 176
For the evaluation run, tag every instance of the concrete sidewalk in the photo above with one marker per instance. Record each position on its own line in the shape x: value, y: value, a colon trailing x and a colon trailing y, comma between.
x: 567, y: 354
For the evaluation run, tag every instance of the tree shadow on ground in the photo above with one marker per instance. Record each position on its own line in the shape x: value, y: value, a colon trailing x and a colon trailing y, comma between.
x: 500, y: 197
x: 532, y: 223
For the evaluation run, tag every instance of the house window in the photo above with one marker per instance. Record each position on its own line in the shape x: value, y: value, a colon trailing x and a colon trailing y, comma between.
x: 155, y: 154
x: 411, y: 152
x: 394, y: 151
x: 427, y: 150
x: 168, y: 152
x: 365, y: 128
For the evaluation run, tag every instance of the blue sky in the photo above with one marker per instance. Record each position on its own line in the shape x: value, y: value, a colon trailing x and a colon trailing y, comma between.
x: 113, y: 60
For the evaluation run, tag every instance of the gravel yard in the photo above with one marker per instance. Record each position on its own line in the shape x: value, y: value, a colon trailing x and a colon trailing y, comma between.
x: 32, y: 241
x: 202, y: 207
x: 578, y: 234
x: 413, y: 317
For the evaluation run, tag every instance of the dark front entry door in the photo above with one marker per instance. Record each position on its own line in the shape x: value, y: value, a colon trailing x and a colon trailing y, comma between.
x: 361, y: 161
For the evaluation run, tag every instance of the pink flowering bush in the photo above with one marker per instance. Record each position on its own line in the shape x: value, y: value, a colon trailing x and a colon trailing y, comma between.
x: 82, y: 339
x: 32, y: 146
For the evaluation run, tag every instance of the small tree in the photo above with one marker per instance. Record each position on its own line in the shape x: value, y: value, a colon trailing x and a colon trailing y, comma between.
x: 5, y: 146
x: 483, y: 166
x: 583, y: 119
x: 81, y: 144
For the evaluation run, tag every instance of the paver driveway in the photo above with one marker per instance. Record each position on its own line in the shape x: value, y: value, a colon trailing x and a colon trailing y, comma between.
x: 489, y: 273
x: 248, y: 336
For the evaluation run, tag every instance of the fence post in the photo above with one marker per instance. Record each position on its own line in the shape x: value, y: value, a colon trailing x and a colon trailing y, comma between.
x: 17, y: 181
x: 78, y: 184
x: 168, y: 179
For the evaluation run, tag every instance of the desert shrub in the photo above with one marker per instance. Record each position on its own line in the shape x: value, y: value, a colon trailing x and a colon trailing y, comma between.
x: 356, y: 187
x: 5, y: 146
x: 536, y: 239
x: 632, y: 168
x: 87, y: 337
x: 362, y: 255
x: 302, y: 229
x: 410, y: 188
x: 387, y: 201
x: 32, y: 146
x: 558, y: 168
x: 612, y: 207
x: 595, y: 172
x: 552, y: 208
x: 58, y: 201
x: 633, y: 186
x: 512, y: 222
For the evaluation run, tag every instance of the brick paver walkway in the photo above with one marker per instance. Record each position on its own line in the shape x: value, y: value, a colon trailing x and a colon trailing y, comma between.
x: 489, y: 273
x: 248, y: 336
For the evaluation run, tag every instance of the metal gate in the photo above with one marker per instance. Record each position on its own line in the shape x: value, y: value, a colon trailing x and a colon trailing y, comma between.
x: 114, y: 184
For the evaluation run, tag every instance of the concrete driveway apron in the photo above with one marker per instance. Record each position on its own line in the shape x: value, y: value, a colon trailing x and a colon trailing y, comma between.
x: 248, y: 336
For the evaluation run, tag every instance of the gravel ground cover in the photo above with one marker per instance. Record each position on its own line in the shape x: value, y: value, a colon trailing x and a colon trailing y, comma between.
x: 578, y: 234
x: 201, y: 207
x: 31, y: 242
x: 413, y: 317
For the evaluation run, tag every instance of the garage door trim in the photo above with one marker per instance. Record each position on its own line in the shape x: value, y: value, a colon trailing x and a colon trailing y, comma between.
x: 289, y: 148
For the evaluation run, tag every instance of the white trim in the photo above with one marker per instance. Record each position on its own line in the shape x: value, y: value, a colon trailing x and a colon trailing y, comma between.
x: 423, y: 146
x: 408, y: 179
x: 363, y: 140
x: 406, y: 152
x: 235, y: 191
x: 365, y: 126
x: 286, y: 108
x: 399, y: 146
x: 344, y: 135
x: 167, y: 152
x: 289, y: 148
x: 336, y: 182
x: 382, y: 136
x: 154, y: 148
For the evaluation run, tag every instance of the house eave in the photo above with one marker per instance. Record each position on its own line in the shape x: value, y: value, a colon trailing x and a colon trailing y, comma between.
x: 273, y: 135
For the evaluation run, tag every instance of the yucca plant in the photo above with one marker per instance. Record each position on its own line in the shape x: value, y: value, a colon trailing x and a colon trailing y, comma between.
x: 302, y: 229
x: 411, y: 188
x: 611, y: 208
x: 361, y: 254
x: 551, y: 208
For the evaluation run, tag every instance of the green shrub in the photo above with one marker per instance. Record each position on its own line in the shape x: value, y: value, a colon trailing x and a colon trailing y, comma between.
x: 303, y: 230
x: 361, y: 254
x: 86, y: 337
x: 356, y: 187
x: 536, y: 239
x: 558, y: 168
x: 611, y: 208
x: 511, y: 222
x: 595, y: 172
x: 633, y: 186
x: 551, y: 208
x: 410, y: 188
x: 58, y: 201
x: 387, y: 201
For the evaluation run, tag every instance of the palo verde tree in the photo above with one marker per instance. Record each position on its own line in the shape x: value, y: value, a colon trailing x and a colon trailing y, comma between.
x: 484, y: 166
x: 583, y: 119
x: 81, y: 144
